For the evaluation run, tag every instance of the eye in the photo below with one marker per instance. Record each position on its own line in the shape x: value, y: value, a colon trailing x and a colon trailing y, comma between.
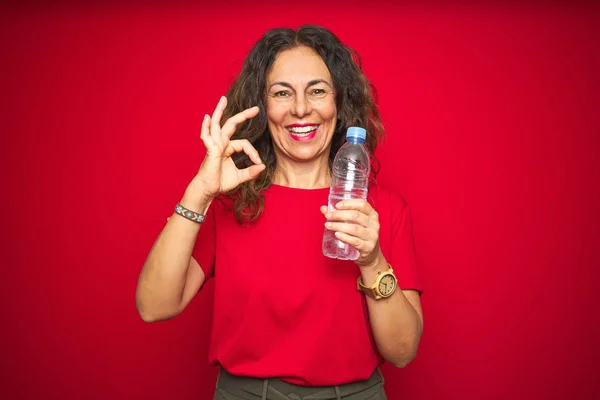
x: 281, y: 93
x: 318, y: 92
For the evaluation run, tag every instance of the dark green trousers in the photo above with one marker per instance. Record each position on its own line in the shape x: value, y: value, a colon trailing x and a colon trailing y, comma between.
x: 231, y: 387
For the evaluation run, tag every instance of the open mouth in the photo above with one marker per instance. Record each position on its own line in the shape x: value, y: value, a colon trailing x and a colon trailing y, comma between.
x: 303, y: 133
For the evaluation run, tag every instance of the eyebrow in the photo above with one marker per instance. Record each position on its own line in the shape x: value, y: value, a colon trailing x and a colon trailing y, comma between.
x: 310, y: 83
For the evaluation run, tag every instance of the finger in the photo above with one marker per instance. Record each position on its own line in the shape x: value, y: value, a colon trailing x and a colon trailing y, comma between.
x: 251, y: 172
x: 232, y: 123
x: 354, y: 216
x: 324, y: 210
x: 353, y: 241
x: 205, y: 130
x: 350, y: 229
x: 215, y: 128
x: 356, y: 204
x: 245, y: 146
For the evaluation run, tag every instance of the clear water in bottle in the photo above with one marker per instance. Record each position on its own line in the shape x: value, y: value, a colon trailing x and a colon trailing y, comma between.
x: 350, y: 173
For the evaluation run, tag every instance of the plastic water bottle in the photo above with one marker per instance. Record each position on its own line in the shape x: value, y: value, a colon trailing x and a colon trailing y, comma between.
x: 350, y: 172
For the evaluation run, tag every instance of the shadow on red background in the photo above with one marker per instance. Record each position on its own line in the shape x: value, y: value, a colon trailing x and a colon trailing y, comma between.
x: 492, y: 118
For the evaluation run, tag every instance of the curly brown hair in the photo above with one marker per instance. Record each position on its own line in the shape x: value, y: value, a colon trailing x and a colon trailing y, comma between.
x: 355, y: 102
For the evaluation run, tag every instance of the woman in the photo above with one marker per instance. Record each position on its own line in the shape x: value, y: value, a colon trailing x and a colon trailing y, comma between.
x: 288, y: 322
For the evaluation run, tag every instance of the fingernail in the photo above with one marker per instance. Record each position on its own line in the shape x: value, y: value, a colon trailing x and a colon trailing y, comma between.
x: 340, y: 204
x: 328, y: 224
x: 328, y: 215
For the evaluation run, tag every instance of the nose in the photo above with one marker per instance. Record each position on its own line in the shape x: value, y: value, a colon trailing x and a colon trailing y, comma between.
x: 301, y: 106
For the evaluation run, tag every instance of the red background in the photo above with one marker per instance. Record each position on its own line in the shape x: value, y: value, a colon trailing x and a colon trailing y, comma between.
x: 493, y: 123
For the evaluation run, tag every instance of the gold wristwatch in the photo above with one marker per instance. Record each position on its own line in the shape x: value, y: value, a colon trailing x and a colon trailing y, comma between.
x: 384, y: 286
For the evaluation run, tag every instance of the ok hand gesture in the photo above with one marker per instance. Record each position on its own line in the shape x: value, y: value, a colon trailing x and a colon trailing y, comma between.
x: 218, y: 173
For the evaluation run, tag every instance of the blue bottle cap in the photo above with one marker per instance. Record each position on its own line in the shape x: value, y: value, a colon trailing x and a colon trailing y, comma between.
x: 356, y: 132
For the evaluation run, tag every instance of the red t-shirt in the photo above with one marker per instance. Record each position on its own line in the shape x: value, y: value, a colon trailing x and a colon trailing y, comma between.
x: 281, y: 308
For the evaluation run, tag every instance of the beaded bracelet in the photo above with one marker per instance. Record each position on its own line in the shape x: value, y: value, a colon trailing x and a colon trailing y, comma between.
x: 189, y: 214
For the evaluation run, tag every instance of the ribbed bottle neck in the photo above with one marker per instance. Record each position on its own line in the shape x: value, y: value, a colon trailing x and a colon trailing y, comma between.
x: 355, y: 140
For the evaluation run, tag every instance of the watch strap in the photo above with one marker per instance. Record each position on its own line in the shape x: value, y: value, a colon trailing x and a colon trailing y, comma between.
x: 372, y: 291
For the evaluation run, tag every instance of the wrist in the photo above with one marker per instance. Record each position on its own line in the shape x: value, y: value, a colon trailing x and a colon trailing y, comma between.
x: 369, y: 271
x: 196, y: 200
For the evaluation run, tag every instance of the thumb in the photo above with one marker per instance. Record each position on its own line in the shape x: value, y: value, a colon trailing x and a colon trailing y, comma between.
x: 251, y: 172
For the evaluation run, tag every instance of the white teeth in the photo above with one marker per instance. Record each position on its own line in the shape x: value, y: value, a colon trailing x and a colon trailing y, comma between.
x: 304, y: 129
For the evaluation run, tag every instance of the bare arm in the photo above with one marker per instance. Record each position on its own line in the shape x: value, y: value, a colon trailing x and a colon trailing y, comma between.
x: 396, y: 321
x: 171, y: 277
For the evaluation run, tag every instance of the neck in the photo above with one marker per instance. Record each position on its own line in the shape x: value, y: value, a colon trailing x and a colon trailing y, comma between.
x: 303, y: 175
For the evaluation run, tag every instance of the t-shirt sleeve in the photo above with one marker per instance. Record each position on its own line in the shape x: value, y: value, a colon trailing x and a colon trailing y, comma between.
x: 402, y: 249
x: 204, y: 248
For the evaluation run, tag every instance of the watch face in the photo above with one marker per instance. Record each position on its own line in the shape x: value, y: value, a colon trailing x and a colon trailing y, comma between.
x: 387, y: 284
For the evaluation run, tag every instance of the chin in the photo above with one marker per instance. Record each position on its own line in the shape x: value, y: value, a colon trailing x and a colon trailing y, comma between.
x: 304, y: 157
x: 307, y: 155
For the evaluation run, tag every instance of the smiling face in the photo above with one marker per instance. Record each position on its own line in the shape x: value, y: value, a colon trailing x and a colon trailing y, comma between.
x: 301, y: 108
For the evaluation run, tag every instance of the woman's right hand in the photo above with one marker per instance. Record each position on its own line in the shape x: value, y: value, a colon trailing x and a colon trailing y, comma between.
x: 218, y: 173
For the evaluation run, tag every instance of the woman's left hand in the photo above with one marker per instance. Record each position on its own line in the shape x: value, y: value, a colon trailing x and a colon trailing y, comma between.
x: 356, y: 223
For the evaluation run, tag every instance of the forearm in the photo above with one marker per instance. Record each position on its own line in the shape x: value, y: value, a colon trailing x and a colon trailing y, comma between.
x: 396, y: 324
x: 162, y: 280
